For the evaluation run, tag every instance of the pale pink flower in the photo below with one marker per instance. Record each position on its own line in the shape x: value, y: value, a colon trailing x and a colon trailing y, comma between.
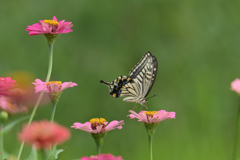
x: 44, y: 134
x: 102, y: 157
x: 11, y: 106
x: 98, y: 125
x: 152, y: 116
x: 235, y: 85
x: 52, y: 86
x: 6, y: 85
x: 50, y: 27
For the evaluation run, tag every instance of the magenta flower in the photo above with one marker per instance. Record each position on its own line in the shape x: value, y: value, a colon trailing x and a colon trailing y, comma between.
x: 98, y: 125
x: 6, y: 85
x: 50, y: 27
x: 102, y: 157
x: 235, y: 85
x: 152, y: 116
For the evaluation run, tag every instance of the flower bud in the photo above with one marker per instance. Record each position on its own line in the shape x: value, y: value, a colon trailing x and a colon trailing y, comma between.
x: 3, y: 116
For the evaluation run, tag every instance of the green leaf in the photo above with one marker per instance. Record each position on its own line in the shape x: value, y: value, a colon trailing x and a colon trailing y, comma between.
x: 33, y: 154
x: 57, y: 153
x: 52, y: 154
x: 12, y: 124
x: 5, y: 154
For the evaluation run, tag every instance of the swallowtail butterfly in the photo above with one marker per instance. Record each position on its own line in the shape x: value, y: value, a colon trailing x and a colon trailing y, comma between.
x: 138, y: 84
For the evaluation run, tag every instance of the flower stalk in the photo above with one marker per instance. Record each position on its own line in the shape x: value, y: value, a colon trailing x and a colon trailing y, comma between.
x: 235, y: 146
x: 98, y: 138
x: 150, y: 137
x: 1, y: 140
x: 50, y: 62
x: 54, y: 106
x: 150, y: 127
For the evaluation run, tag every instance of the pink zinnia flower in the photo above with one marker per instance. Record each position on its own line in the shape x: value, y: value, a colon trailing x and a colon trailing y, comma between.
x: 152, y: 116
x: 9, y: 105
x: 44, y: 134
x: 98, y: 125
x: 102, y: 157
x: 6, y: 85
x: 235, y: 85
x: 50, y: 27
x: 52, y: 86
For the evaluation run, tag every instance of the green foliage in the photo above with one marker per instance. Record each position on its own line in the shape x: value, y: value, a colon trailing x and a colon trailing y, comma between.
x: 197, y: 47
x: 33, y: 154
x: 9, y: 126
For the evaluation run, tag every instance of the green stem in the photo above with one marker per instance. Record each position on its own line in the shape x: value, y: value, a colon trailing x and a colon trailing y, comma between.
x: 235, y: 146
x: 150, y: 137
x: 50, y: 62
x: 99, y: 146
x: 1, y: 141
x: 54, y: 106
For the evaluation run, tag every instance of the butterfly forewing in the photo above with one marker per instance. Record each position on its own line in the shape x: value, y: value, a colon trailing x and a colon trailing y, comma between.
x: 144, y: 73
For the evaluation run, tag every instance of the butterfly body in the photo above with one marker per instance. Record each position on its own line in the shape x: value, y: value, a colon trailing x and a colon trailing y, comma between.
x: 139, y: 83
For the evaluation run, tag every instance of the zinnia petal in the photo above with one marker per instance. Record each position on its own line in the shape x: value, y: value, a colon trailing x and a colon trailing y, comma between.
x: 235, y: 85
x: 114, y: 124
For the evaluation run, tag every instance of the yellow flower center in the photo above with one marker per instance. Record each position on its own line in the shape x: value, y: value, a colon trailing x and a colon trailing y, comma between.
x: 54, y: 82
x: 150, y: 113
x: 97, y: 122
x: 51, y: 22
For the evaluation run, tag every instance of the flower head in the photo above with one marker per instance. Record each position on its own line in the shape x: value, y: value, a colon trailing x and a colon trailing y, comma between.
x: 44, y: 134
x: 3, y: 116
x: 50, y: 27
x: 151, y: 119
x: 6, y: 85
x: 10, y: 105
x: 152, y: 116
x: 53, y: 88
x: 98, y: 125
x: 102, y: 157
x: 235, y: 85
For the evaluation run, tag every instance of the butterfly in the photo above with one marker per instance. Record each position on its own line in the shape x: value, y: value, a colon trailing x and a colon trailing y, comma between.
x: 138, y: 84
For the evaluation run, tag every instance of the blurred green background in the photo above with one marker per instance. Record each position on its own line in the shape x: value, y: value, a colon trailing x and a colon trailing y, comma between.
x: 197, y: 47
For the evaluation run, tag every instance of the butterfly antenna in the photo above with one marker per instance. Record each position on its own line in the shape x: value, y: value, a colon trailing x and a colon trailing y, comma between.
x: 152, y: 96
x: 106, y: 83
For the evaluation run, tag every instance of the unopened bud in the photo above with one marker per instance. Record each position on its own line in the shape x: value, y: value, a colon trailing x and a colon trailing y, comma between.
x: 3, y: 116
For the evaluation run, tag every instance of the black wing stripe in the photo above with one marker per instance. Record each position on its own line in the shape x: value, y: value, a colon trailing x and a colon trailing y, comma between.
x: 154, y: 74
x: 139, y: 66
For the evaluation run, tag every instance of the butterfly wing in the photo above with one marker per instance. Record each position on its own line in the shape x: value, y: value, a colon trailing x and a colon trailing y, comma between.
x: 144, y: 73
